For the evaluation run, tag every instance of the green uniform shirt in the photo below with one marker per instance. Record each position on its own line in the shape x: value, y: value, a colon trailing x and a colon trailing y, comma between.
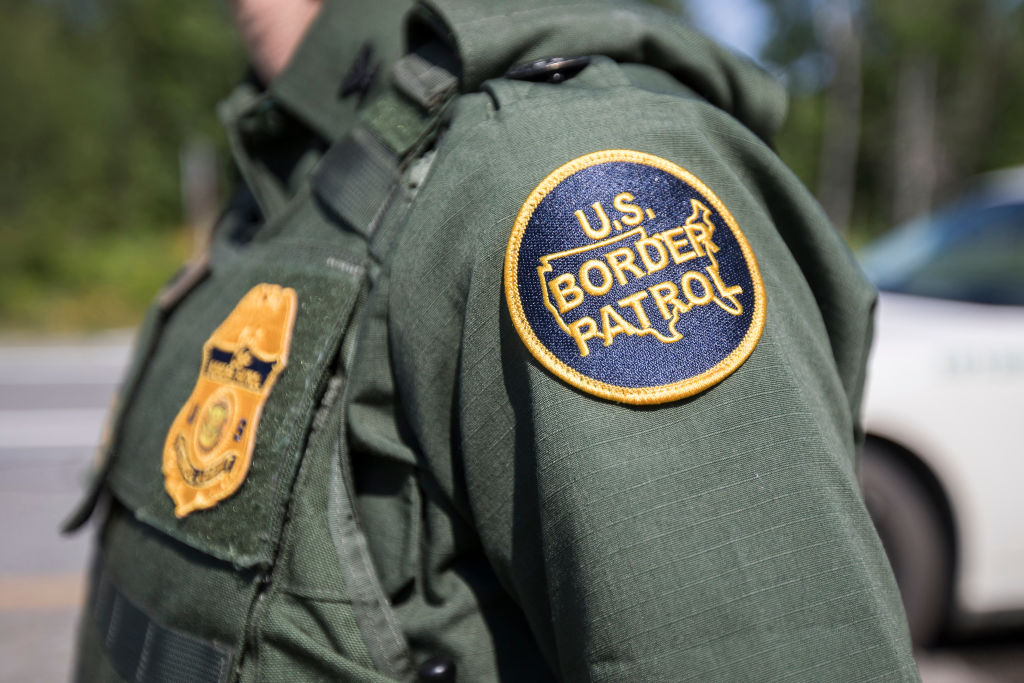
x: 422, y: 484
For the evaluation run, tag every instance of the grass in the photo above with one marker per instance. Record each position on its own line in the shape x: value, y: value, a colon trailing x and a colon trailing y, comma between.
x: 87, y: 284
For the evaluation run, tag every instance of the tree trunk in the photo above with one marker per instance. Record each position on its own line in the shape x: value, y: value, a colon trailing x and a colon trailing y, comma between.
x: 841, y: 133
x: 915, y: 156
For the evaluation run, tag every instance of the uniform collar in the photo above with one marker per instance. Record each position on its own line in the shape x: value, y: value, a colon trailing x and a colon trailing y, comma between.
x: 309, y: 106
x: 345, y: 41
x: 348, y: 43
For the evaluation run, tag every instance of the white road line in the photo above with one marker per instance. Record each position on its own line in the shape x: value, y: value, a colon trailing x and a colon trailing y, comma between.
x: 32, y: 377
x: 24, y: 429
x: 43, y: 365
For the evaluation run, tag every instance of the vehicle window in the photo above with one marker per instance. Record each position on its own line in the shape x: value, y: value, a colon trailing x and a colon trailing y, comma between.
x: 975, y: 256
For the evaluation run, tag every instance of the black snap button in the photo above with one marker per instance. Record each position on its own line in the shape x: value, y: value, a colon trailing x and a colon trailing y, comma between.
x: 551, y: 69
x: 437, y: 670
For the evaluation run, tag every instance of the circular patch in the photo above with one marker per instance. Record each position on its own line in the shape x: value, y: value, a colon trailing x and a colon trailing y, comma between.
x: 629, y: 279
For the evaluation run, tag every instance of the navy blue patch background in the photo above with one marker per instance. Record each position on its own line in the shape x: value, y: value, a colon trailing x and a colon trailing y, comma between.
x: 710, y: 333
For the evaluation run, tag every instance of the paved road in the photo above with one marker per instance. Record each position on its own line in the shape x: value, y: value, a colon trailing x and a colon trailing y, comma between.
x: 53, y: 398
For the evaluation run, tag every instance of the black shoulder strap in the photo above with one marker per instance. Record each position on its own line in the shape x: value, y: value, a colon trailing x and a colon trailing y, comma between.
x: 358, y: 176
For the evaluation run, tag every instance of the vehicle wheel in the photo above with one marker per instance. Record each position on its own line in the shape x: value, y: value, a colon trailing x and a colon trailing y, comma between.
x: 915, y: 539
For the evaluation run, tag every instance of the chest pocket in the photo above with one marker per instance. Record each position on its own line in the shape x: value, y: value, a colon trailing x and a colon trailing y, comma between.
x: 207, y: 346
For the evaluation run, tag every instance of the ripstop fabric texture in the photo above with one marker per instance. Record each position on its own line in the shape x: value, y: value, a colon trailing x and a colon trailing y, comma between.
x: 421, y: 485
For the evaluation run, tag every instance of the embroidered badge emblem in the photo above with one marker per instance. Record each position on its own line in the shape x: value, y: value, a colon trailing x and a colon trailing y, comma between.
x: 209, y: 446
x: 629, y: 279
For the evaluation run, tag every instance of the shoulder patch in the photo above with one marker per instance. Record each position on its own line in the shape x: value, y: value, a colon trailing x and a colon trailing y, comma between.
x: 209, y: 446
x: 628, y: 278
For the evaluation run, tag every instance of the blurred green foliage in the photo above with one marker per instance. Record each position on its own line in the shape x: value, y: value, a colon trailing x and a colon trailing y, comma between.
x: 936, y: 89
x: 98, y: 100
x: 895, y: 107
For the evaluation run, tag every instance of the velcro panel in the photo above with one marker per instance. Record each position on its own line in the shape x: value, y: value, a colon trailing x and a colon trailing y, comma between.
x: 141, y: 649
x: 243, y: 528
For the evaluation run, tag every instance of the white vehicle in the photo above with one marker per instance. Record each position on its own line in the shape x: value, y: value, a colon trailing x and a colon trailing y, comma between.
x: 943, y: 463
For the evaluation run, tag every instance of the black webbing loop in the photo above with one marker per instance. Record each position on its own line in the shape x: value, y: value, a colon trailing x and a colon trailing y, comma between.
x: 142, y: 650
x: 358, y: 175
x: 355, y: 179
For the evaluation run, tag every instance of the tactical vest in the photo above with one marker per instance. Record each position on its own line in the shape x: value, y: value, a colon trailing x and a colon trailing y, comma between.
x: 334, y: 409
x: 246, y: 356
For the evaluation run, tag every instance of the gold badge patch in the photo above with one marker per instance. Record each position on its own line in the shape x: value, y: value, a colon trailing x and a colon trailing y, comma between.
x: 209, y: 446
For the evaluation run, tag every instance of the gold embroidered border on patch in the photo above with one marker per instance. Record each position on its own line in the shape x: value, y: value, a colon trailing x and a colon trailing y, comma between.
x: 209, y: 446
x: 632, y: 395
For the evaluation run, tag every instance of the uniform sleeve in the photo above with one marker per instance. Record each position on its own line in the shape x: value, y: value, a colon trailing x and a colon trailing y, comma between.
x: 720, y: 536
